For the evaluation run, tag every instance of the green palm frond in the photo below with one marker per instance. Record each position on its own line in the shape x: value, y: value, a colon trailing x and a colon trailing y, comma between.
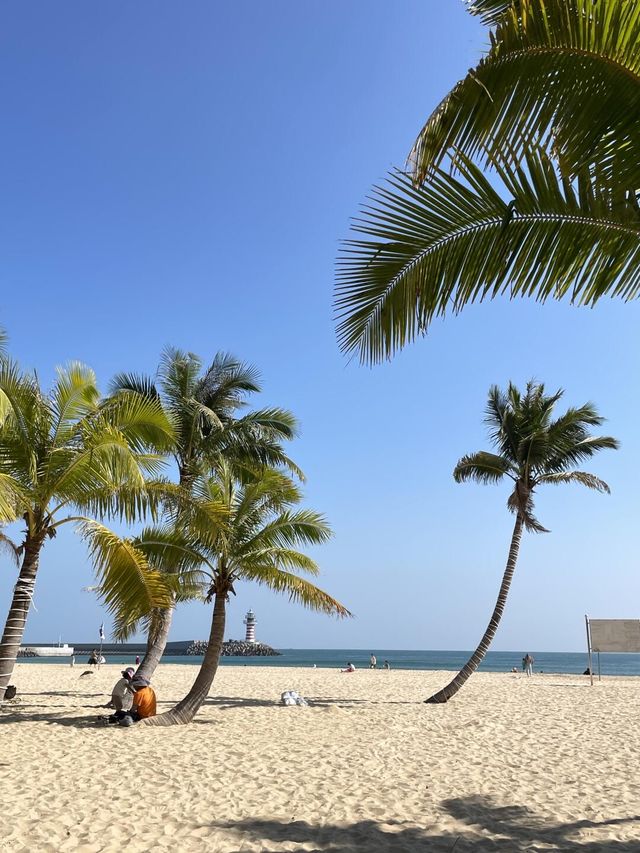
x: 226, y: 383
x: 298, y: 589
x: 561, y: 73
x: 491, y: 11
x: 482, y: 467
x: 135, y: 382
x: 301, y: 527
x: 429, y: 250
x: 74, y: 397
x: 14, y: 500
x: 128, y: 586
x: 141, y: 419
x: 581, y: 477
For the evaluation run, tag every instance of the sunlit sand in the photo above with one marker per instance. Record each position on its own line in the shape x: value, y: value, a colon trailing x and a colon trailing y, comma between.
x: 511, y: 764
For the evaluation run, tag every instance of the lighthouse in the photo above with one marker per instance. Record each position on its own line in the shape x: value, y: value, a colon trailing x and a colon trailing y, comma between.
x: 250, y: 622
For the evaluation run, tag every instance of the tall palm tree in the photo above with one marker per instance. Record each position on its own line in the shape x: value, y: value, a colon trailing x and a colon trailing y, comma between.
x: 236, y: 529
x: 65, y: 453
x: 205, y: 406
x: 550, y: 109
x: 532, y: 449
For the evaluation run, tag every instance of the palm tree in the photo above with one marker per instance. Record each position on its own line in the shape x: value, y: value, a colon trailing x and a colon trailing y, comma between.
x: 204, y: 406
x: 532, y: 449
x: 67, y: 452
x: 550, y: 109
x: 237, y: 528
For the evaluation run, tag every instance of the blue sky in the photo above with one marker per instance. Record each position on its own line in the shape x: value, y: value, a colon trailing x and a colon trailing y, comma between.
x: 183, y: 173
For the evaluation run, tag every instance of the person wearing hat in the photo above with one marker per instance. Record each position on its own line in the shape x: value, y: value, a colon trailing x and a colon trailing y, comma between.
x: 121, y: 698
x: 143, y: 703
x: 144, y: 698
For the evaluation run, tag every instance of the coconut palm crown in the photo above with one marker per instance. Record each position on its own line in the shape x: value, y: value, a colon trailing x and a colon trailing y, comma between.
x: 532, y: 449
x: 236, y: 528
x: 65, y: 456
x: 207, y: 406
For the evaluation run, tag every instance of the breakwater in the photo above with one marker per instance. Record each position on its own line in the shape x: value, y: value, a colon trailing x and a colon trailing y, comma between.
x: 234, y: 648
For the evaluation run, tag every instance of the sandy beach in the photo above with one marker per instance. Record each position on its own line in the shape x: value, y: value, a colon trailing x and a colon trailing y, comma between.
x: 512, y: 764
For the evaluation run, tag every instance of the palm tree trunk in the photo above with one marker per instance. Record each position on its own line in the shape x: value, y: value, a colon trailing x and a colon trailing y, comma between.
x: 156, y: 641
x: 14, y: 626
x: 476, y: 658
x: 188, y: 707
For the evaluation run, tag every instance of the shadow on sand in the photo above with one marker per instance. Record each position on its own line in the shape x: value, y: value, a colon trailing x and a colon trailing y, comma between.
x: 483, y: 827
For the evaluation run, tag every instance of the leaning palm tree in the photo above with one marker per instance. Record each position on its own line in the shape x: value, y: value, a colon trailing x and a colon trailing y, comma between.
x: 65, y: 456
x: 550, y: 109
x: 532, y: 449
x: 206, y: 408
x: 237, y: 528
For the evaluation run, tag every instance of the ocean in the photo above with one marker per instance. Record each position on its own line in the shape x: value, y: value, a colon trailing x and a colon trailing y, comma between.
x: 554, y: 662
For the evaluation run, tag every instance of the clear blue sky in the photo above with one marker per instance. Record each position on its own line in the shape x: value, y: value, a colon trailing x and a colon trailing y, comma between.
x: 183, y: 173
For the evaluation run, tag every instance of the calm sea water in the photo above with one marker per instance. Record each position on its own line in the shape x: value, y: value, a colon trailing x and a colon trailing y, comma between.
x: 558, y: 662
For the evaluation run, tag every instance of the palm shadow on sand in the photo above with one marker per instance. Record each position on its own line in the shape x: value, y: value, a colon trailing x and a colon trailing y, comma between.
x: 483, y: 826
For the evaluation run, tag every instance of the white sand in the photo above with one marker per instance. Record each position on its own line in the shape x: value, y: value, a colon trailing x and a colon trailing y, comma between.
x: 512, y: 764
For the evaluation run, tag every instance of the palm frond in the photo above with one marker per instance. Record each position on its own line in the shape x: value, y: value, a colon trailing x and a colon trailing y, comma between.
x: 9, y: 547
x: 74, y: 397
x: 457, y: 240
x: 491, y: 11
x: 482, y: 467
x: 298, y: 589
x: 138, y: 383
x: 14, y: 500
x: 128, y: 586
x: 140, y: 418
x: 581, y: 477
x: 562, y: 73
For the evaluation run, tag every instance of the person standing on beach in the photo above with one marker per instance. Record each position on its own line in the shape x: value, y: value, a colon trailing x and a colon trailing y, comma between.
x: 373, y: 663
x: 527, y: 660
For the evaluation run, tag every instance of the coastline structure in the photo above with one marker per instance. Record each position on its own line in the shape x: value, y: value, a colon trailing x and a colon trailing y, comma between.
x: 250, y: 622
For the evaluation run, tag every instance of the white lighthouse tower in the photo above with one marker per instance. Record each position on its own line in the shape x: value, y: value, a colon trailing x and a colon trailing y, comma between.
x: 250, y: 622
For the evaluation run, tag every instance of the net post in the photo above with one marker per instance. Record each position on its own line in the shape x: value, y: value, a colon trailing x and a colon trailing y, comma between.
x: 586, y: 621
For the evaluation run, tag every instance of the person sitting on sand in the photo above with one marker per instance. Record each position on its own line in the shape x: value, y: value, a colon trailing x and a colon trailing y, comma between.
x: 350, y: 668
x: 386, y: 665
x: 143, y: 706
x: 121, y: 696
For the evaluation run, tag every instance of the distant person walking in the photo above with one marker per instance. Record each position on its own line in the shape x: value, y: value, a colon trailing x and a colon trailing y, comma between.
x: 137, y: 660
x: 527, y: 661
x: 373, y: 663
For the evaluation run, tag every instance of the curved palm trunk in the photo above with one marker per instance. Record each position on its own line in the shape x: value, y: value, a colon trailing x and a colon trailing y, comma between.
x: 156, y: 642
x: 476, y: 658
x: 20, y: 603
x: 186, y: 709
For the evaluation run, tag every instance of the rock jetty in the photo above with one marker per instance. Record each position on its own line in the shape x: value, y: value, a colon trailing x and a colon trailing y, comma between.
x: 234, y: 648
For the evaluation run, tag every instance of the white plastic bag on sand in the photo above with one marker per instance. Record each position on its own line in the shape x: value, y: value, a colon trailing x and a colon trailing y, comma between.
x: 291, y: 697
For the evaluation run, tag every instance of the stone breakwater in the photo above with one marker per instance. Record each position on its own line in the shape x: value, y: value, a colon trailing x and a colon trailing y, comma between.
x: 234, y: 648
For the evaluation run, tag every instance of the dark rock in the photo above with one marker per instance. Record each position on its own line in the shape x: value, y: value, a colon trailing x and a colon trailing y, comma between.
x: 234, y: 648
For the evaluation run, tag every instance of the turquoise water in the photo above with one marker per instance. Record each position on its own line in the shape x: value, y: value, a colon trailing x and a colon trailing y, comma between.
x: 558, y: 662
